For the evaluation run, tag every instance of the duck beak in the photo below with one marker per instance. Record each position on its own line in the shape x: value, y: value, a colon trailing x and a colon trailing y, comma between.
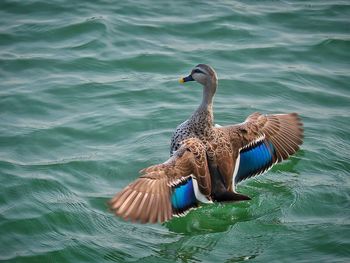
x: 188, y: 78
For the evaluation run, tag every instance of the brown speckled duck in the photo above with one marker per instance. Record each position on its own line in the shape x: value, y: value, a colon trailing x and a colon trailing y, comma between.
x: 207, y: 162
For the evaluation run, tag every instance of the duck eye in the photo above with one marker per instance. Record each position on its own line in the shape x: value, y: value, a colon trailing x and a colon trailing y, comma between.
x: 198, y: 71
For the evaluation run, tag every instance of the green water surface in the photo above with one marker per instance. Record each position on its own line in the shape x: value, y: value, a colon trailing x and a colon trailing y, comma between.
x: 89, y: 96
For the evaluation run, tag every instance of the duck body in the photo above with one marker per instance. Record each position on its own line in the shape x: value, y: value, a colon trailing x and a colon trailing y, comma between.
x: 207, y: 162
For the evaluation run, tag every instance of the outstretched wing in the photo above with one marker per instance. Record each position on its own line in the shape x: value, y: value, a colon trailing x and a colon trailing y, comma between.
x: 264, y: 140
x: 165, y: 190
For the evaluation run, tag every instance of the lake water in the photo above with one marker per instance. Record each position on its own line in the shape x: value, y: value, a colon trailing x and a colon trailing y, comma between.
x: 89, y: 96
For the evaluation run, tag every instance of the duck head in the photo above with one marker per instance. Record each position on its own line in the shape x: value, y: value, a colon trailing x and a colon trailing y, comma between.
x: 206, y: 76
x: 203, y: 74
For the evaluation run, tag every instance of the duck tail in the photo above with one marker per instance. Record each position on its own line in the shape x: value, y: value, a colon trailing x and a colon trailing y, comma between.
x: 219, y: 190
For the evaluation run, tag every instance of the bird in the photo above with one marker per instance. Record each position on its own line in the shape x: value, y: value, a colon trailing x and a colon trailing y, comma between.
x: 208, y: 161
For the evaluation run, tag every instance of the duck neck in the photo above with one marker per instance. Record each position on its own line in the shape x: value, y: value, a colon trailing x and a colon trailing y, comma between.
x: 208, y: 94
x: 205, y: 109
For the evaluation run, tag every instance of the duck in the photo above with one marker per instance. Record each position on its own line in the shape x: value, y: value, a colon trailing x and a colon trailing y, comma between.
x: 207, y: 161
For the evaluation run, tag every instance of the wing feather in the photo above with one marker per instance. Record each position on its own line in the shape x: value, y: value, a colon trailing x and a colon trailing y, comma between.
x: 149, y: 198
x: 263, y: 140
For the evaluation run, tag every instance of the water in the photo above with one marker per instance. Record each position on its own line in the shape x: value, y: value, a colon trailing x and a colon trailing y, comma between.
x: 89, y: 96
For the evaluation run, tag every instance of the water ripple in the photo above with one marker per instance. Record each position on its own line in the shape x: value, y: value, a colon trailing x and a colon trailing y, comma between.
x: 89, y: 96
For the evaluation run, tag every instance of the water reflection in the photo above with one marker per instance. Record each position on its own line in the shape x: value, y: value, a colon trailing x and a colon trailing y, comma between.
x: 201, y: 230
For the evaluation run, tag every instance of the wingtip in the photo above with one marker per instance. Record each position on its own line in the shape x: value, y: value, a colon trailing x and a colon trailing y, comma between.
x: 146, y: 200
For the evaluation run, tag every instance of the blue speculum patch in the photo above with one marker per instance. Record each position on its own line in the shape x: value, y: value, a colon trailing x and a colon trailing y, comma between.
x: 183, y: 197
x: 254, y: 160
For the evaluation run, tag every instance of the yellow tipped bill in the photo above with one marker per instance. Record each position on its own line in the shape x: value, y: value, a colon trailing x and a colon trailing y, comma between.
x: 185, y: 79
